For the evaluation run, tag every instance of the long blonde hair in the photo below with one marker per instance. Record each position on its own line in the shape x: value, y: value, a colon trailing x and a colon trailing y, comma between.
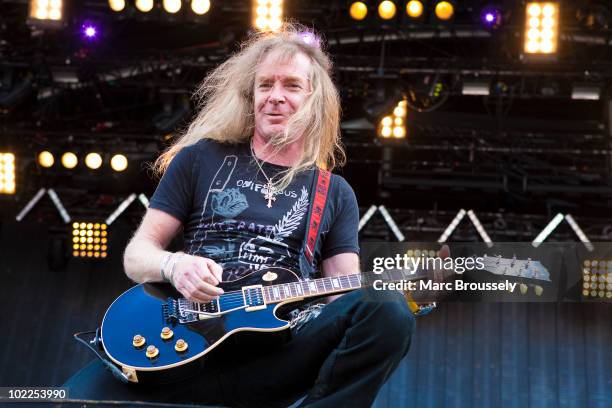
x: 225, y: 103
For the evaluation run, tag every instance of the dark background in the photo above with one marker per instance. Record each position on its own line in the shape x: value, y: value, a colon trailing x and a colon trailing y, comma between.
x: 463, y: 355
x: 516, y: 157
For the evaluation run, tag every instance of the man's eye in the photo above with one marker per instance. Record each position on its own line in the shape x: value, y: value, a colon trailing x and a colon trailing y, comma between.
x: 264, y: 85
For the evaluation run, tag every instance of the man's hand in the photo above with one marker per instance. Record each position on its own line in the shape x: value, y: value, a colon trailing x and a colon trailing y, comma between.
x: 196, y: 277
x: 437, y: 276
x: 440, y: 275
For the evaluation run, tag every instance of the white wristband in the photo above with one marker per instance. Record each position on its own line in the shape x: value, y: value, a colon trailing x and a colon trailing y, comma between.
x: 174, y: 261
x: 164, y: 264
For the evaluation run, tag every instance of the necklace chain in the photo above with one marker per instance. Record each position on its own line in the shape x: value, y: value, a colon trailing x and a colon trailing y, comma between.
x: 271, y: 190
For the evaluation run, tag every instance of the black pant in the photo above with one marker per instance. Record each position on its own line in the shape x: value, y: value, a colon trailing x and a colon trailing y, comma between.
x: 340, y: 359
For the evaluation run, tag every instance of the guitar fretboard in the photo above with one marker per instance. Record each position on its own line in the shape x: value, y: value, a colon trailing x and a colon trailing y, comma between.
x: 311, y: 287
x: 329, y: 285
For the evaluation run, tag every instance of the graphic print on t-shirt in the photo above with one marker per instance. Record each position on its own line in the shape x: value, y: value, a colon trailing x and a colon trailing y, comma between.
x: 238, y: 231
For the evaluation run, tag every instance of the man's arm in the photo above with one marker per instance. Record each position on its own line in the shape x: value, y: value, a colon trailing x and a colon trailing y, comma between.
x: 194, y: 277
x: 341, y: 264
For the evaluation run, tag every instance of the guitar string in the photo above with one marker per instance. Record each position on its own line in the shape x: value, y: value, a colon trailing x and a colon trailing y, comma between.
x: 237, y: 296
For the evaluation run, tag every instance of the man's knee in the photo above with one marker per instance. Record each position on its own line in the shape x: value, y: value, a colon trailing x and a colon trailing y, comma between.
x: 392, y: 320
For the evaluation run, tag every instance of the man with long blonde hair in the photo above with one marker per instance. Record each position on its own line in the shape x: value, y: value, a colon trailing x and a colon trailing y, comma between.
x: 240, y: 183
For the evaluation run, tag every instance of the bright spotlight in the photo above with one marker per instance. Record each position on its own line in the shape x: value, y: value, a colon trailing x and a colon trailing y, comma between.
x: 119, y: 162
x: 116, y: 5
x: 172, y: 6
x: 541, y: 28
x: 46, y: 159
x: 69, y: 160
x: 268, y: 15
x: 89, y: 31
x: 358, y: 10
x: 491, y: 17
x: 394, y: 125
x: 93, y: 161
x: 387, y: 10
x: 200, y: 7
x: 144, y: 5
x: 444, y: 10
x: 7, y: 173
x: 89, y: 240
x: 414, y: 8
x: 46, y: 10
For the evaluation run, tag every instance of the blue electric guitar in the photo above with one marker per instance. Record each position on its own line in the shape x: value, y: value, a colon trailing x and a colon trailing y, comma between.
x: 154, y: 335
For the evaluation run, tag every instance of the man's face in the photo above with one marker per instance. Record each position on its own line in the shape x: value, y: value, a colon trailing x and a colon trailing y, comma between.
x: 280, y: 89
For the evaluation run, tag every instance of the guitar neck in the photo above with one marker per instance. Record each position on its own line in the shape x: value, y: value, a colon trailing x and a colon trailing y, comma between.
x: 331, y: 285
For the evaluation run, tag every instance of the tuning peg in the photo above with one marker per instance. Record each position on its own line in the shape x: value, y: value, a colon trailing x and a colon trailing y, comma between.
x: 538, y: 290
x: 523, y: 288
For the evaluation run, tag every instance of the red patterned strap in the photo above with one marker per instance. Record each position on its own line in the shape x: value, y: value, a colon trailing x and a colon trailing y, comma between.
x: 318, y: 205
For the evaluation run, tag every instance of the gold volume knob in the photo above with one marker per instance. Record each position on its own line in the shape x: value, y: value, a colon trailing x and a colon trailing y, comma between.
x: 181, y: 345
x: 152, y: 351
x: 138, y: 341
x: 166, y: 333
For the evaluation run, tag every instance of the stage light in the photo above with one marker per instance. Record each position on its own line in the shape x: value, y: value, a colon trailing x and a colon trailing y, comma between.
x: 541, y: 28
x: 491, y: 17
x: 7, y: 173
x: 69, y: 160
x: 358, y: 10
x: 89, y: 240
x: 46, y: 10
x: 414, y: 8
x: 451, y: 227
x: 268, y: 15
x: 93, y: 160
x: 46, y: 159
x: 586, y: 92
x: 200, y: 7
x: 144, y: 5
x: 116, y: 5
x: 394, y: 125
x: 444, y: 10
x: 172, y: 6
x: 119, y: 162
x: 476, y: 87
x: 554, y: 223
x: 387, y: 10
x: 391, y: 223
x: 89, y: 31
x: 597, y: 278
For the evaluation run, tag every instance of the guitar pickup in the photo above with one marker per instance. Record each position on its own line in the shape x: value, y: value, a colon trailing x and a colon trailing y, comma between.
x: 253, y: 297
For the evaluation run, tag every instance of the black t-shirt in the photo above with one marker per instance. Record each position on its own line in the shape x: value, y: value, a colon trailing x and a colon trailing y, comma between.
x: 217, y: 191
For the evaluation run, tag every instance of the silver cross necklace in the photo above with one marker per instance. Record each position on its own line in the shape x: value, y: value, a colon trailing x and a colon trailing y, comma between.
x: 270, y: 191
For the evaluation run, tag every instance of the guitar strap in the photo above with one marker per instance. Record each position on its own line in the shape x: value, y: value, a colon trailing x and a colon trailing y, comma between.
x: 317, y: 211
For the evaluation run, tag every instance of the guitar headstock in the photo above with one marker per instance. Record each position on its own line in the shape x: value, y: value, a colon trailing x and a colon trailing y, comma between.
x: 527, y: 269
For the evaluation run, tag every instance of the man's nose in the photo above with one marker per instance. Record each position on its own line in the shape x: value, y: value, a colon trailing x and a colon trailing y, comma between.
x: 276, y: 94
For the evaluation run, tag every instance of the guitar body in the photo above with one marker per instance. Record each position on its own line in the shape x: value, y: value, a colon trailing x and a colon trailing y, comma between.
x: 147, y: 308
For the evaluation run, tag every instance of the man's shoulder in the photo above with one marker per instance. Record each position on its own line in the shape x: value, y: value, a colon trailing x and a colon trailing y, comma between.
x: 340, y: 184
